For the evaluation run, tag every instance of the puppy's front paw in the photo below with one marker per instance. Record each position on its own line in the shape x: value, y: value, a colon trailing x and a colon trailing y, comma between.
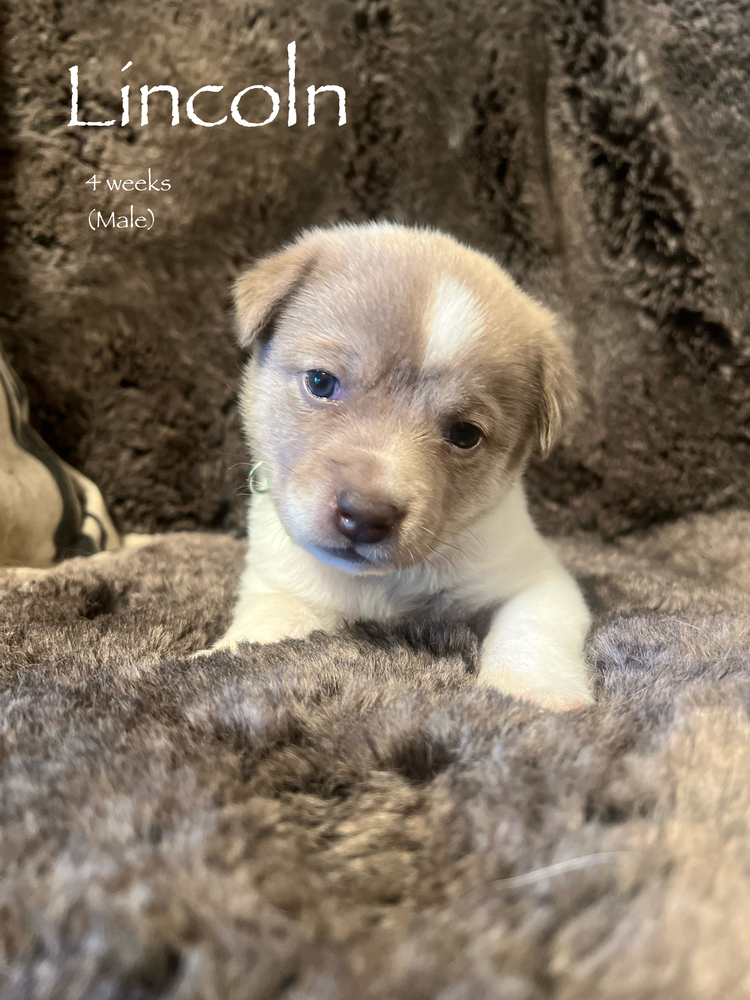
x: 557, y: 683
x: 270, y: 617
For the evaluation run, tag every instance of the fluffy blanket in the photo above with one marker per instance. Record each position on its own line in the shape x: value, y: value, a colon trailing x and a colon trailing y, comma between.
x: 351, y: 817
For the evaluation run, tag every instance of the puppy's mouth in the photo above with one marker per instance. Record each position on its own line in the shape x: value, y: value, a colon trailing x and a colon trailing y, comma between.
x: 345, y: 557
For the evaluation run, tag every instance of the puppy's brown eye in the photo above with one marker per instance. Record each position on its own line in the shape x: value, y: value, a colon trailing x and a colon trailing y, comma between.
x: 463, y: 435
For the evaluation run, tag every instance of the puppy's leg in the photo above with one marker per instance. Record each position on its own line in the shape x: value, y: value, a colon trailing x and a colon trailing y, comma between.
x: 270, y: 617
x: 534, y: 648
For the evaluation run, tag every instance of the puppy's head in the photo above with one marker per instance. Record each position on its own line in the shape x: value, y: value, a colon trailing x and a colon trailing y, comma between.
x: 398, y: 382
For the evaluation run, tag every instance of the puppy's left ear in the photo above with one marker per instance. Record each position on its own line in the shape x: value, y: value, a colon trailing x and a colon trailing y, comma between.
x: 260, y: 293
x: 558, y: 389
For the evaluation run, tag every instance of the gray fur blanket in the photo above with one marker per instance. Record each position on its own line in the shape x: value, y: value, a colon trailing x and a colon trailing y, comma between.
x: 350, y: 817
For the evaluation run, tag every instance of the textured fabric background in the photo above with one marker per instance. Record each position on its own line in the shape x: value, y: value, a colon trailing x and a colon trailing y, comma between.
x: 348, y: 818
x: 597, y: 147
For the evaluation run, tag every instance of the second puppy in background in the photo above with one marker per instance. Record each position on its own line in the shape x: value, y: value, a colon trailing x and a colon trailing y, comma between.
x: 398, y: 383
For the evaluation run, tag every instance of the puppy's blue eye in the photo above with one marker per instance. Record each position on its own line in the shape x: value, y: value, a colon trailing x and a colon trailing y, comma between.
x: 321, y: 384
x: 463, y: 435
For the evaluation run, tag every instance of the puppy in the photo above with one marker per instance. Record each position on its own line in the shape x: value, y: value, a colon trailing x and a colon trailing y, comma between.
x: 398, y: 383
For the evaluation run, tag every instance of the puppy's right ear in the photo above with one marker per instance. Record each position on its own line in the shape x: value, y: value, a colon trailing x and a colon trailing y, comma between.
x: 260, y: 293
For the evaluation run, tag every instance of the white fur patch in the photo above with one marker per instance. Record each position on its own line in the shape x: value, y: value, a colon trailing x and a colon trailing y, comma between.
x: 454, y: 321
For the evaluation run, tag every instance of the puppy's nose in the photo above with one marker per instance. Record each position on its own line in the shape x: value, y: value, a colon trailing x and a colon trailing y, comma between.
x: 365, y: 519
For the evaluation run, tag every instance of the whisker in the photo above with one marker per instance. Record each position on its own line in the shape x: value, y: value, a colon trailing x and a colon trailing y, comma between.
x: 442, y: 541
x: 439, y: 555
x: 468, y: 531
x: 279, y: 537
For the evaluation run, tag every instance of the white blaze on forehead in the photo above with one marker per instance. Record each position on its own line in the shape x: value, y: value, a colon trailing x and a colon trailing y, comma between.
x: 454, y: 320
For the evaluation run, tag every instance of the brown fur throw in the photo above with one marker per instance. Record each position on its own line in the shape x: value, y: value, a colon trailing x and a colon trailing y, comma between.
x: 597, y: 147
x: 349, y: 818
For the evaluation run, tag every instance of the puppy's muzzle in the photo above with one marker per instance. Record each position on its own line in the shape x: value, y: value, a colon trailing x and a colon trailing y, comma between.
x: 366, y: 519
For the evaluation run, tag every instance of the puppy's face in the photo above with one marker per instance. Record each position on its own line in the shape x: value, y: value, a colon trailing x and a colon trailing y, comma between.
x: 398, y: 382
